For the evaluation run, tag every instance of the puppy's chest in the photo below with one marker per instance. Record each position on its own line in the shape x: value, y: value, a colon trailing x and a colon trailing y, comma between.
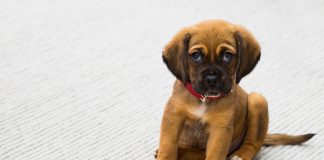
x: 193, y: 134
x: 198, y: 111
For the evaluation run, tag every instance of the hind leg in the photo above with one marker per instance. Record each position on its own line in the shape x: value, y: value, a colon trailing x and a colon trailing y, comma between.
x: 257, y: 128
x: 189, y: 154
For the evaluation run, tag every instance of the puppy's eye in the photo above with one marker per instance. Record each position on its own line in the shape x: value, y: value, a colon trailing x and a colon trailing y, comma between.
x: 196, y: 56
x: 227, y: 57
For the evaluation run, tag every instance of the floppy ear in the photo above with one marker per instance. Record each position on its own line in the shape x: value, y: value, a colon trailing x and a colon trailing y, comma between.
x: 248, y: 51
x: 175, y: 55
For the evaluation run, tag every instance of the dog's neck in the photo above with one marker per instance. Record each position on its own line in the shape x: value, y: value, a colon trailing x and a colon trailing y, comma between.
x: 202, y: 97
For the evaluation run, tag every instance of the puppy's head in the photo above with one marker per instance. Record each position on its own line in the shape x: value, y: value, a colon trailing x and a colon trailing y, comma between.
x: 212, y: 55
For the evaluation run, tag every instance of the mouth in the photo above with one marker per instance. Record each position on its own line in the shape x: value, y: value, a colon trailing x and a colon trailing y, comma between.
x: 214, y: 94
x: 209, y: 93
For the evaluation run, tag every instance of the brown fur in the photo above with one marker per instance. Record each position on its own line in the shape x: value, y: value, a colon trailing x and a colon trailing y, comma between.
x: 283, y: 139
x: 185, y: 134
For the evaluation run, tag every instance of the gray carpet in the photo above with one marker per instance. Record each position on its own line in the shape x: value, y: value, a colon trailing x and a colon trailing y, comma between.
x: 85, y: 79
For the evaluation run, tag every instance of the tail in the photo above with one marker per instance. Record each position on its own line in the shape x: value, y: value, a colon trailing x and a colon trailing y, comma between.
x: 284, y: 139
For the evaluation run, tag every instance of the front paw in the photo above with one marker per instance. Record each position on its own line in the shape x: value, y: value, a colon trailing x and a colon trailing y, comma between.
x: 235, y: 157
x: 156, y: 153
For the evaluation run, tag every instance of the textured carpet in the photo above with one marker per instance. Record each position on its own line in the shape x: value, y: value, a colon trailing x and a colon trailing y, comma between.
x: 85, y: 79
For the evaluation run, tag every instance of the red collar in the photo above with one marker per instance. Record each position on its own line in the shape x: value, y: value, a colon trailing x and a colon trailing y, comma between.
x: 203, y: 98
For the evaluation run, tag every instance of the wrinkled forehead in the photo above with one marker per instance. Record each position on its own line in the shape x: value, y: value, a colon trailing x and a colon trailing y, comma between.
x: 212, y: 40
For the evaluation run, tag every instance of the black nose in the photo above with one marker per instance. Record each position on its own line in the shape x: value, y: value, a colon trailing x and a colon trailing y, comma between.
x: 211, y: 79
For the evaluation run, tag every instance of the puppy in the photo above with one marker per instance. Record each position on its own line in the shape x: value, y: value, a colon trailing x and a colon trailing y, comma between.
x: 209, y: 116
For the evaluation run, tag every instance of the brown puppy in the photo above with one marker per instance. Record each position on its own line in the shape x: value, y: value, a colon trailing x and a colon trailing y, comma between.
x: 209, y: 116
